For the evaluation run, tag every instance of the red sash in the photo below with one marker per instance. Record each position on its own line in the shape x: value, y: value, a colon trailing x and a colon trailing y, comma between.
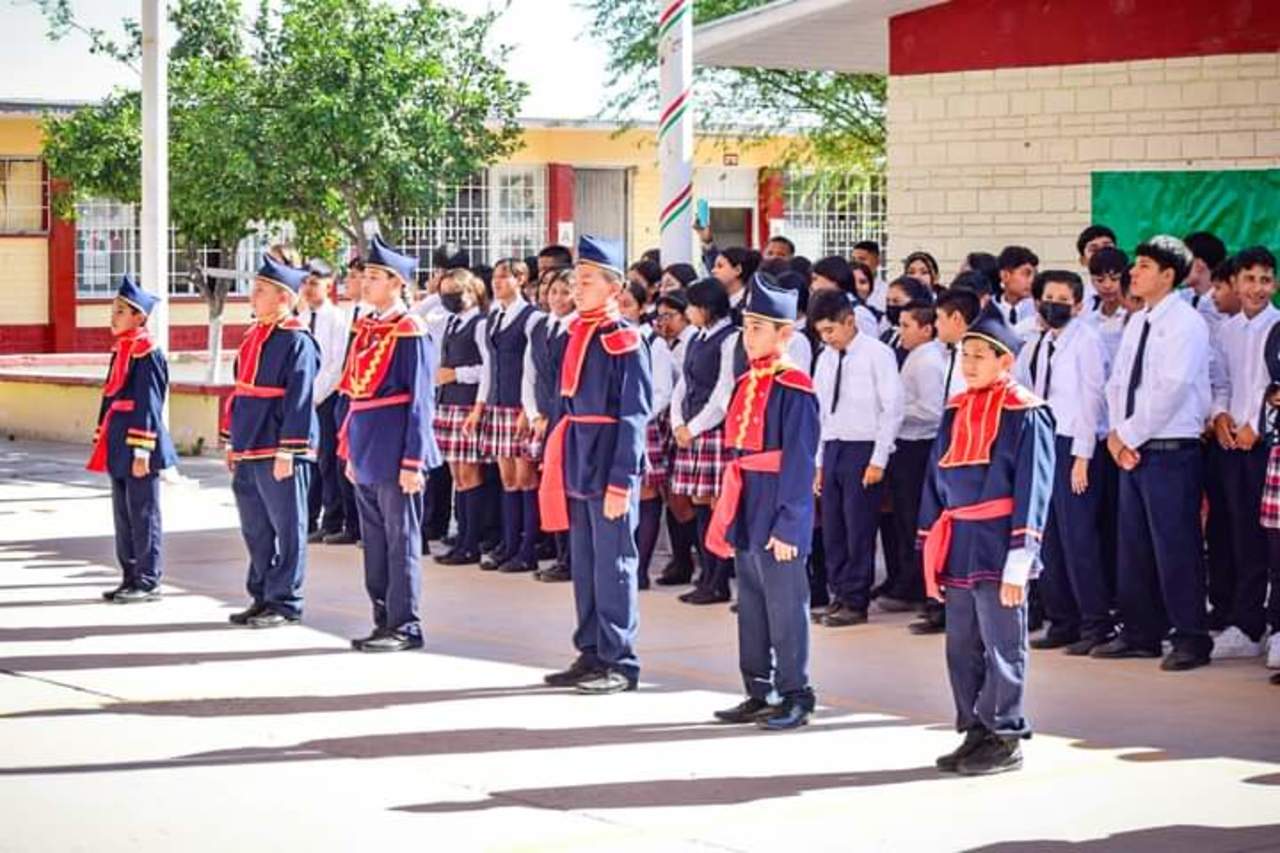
x: 937, y: 543
x: 344, y: 448
x: 553, y: 503
x: 768, y: 462
x: 98, y: 459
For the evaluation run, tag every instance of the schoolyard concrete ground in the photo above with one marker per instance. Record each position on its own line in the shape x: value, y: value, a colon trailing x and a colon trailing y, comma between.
x: 160, y: 727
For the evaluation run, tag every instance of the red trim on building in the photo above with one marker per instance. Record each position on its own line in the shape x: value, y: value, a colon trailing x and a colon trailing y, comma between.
x: 24, y: 339
x: 772, y: 203
x: 181, y: 338
x: 559, y: 199
x: 62, y: 279
x: 968, y: 35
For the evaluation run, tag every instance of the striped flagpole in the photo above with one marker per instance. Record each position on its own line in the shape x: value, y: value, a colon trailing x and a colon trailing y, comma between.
x: 675, y: 130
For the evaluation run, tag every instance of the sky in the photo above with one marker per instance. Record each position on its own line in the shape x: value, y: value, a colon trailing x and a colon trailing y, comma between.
x: 550, y: 52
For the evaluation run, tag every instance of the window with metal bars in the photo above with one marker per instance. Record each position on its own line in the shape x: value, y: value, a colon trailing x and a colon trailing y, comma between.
x: 24, y: 196
x: 828, y: 212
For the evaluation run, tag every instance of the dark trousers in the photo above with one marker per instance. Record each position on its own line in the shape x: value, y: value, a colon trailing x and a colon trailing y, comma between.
x: 439, y: 503
x: 1161, y: 556
x: 392, y: 526
x: 1077, y: 600
x: 1243, y: 474
x: 773, y: 627
x: 908, y: 467
x: 135, y: 502
x: 819, y: 595
x: 1219, y: 545
x: 1273, y: 599
x: 324, y: 498
x: 850, y: 513
x: 273, y: 521
x: 346, y: 491
x: 604, y: 557
x: 1108, y: 517
x: 987, y: 660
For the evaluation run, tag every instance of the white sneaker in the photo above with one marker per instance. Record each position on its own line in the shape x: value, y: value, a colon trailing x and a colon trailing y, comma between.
x: 1273, y: 652
x: 1234, y: 643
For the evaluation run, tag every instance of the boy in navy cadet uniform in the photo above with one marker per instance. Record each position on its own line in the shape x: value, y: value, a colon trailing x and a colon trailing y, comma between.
x: 131, y: 444
x: 387, y: 442
x: 591, y: 475
x: 270, y: 431
x: 764, y: 516
x: 984, y: 506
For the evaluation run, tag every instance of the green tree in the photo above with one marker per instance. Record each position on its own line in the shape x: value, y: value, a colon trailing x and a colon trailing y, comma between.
x: 839, y: 117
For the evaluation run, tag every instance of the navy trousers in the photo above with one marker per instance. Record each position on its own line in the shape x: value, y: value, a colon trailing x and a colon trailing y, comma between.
x: 346, y: 489
x: 1109, y: 517
x: 987, y: 660
x: 135, y: 502
x: 773, y: 627
x: 273, y: 521
x: 1074, y: 585
x: 908, y: 466
x: 391, y: 524
x: 1243, y: 474
x: 850, y: 514
x: 605, y: 562
x: 324, y: 510
x: 1219, y: 545
x: 1161, y: 556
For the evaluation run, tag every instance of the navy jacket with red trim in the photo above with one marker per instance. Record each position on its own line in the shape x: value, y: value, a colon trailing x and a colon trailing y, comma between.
x: 146, y: 385
x: 258, y: 427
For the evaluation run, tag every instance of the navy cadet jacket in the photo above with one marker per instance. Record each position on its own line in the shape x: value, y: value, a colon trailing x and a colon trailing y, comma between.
x: 774, y: 505
x: 607, y: 375
x: 388, y: 384
x: 271, y: 408
x: 131, y: 409
x: 993, y: 443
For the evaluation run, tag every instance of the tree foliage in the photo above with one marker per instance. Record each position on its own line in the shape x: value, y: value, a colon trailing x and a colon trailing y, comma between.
x: 839, y: 117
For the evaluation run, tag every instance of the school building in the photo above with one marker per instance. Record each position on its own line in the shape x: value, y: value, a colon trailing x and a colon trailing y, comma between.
x: 569, y: 177
x: 1021, y: 121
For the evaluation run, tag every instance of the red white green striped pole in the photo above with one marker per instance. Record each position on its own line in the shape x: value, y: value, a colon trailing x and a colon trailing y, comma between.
x: 675, y: 130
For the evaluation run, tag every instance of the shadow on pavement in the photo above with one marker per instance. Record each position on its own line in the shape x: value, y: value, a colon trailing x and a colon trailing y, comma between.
x: 49, y: 633
x: 127, y: 660
x: 1161, y: 839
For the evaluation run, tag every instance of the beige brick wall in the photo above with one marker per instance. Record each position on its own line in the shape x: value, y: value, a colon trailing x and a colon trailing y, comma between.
x: 982, y: 159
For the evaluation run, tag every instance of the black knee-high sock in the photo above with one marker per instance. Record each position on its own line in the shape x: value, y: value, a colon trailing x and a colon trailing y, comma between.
x: 512, y: 522
x: 706, y: 560
x: 647, y: 536
x: 469, y: 521
x: 681, y: 534
x: 529, y: 530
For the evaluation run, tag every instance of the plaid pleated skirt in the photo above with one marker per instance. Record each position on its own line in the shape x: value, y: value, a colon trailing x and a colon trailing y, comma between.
x: 698, y: 468
x: 657, y: 452
x: 454, y: 444
x: 502, y: 436
x: 1270, y: 515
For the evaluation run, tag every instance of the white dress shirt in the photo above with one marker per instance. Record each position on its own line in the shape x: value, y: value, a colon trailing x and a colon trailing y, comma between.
x: 923, y: 373
x: 1077, y: 376
x: 557, y: 326
x: 878, y: 298
x: 508, y: 313
x: 1015, y: 314
x: 427, y: 305
x: 1204, y: 304
x: 662, y: 367
x: 679, y: 347
x: 1241, y: 384
x: 1110, y: 329
x: 713, y: 412
x: 330, y: 327
x: 1172, y: 401
x: 954, y: 376
x: 440, y: 323
x: 870, y: 406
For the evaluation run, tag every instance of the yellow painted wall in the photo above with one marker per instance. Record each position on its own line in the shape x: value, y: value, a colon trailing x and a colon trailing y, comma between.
x: 24, y: 281
x: 20, y: 136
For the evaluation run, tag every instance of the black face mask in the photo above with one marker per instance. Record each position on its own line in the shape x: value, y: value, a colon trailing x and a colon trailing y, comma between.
x: 893, y: 313
x: 1055, y: 314
x: 452, y: 302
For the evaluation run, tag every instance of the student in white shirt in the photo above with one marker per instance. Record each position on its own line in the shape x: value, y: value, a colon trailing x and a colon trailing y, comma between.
x: 923, y: 372
x: 1238, y: 427
x: 1109, y: 272
x: 733, y: 268
x: 1090, y: 241
x: 868, y: 252
x: 956, y: 309
x: 834, y: 273
x: 860, y: 403
x: 1208, y: 252
x: 1158, y: 395
x: 1017, y: 271
x: 1219, y: 550
x: 1065, y: 364
x: 671, y: 323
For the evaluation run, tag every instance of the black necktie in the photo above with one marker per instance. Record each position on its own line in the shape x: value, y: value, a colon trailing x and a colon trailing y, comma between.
x: 1135, y: 371
x: 835, y: 398
x: 1048, y: 369
x: 1013, y: 316
x: 1195, y: 301
x: 451, y: 326
x: 311, y: 324
x: 951, y: 366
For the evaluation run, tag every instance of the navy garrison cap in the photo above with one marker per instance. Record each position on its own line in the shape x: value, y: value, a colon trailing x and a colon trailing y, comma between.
x: 384, y: 257
x: 136, y: 296
x: 768, y: 301
x: 280, y: 273
x: 994, y: 331
x: 601, y: 252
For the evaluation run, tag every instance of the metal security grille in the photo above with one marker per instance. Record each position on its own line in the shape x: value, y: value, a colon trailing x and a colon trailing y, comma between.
x: 23, y: 196
x: 600, y: 202
x: 828, y: 212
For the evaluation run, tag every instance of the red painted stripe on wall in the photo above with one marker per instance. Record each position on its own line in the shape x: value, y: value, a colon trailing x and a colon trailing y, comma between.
x: 970, y: 35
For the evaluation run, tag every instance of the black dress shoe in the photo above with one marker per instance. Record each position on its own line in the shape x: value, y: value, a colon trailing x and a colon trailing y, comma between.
x: 674, y: 575
x: 924, y: 627
x: 110, y: 594
x: 491, y: 560
x: 135, y: 595
x: 555, y: 574
x: 342, y: 537
x: 582, y: 669
x: 832, y: 607
x: 604, y: 683
x: 973, y: 739
x: 1120, y: 648
x: 392, y: 641
x: 1180, y: 660
x: 705, y: 596
x: 458, y: 558
x: 788, y: 715
x: 315, y: 537
x: 1054, y: 641
x: 1086, y: 644
x: 748, y: 711
x: 272, y: 619
x: 358, y: 642
x: 889, y: 604
x: 515, y: 566
x: 844, y: 617
x: 243, y: 617
x: 996, y: 754
x: 1275, y: 679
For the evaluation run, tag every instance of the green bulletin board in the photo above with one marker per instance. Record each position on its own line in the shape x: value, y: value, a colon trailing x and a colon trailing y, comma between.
x: 1241, y: 206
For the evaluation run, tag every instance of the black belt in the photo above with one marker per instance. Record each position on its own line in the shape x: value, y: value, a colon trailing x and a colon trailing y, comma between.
x: 1167, y: 444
